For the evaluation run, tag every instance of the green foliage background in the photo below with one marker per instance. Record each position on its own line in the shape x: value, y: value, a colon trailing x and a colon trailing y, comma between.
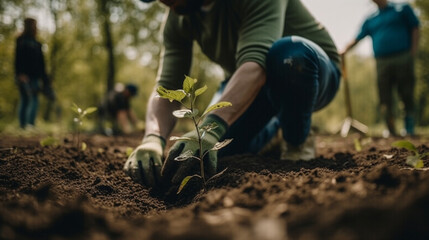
x: 77, y: 59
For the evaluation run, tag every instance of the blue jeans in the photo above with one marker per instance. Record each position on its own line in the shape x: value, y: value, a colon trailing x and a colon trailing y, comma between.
x: 29, y: 102
x: 301, y: 79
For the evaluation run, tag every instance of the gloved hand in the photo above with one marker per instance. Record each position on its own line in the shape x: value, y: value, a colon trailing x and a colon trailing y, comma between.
x: 145, y: 162
x: 174, y: 171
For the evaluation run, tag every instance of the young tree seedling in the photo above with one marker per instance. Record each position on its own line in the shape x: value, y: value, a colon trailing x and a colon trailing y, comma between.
x: 187, y: 97
x: 78, y: 120
x: 415, y: 160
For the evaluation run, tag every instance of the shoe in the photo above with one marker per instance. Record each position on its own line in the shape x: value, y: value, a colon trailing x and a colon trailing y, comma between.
x: 390, y: 122
x: 305, y: 151
x: 409, y: 125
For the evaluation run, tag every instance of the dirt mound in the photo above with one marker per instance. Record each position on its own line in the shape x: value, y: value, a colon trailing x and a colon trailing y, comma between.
x: 61, y: 193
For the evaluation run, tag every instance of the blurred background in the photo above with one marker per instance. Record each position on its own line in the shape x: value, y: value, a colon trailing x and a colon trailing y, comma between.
x: 91, y: 45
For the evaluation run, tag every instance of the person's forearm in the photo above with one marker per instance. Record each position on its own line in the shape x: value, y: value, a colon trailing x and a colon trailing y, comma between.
x: 159, y: 118
x: 123, y: 121
x: 242, y: 89
x: 132, y: 116
x: 415, y: 37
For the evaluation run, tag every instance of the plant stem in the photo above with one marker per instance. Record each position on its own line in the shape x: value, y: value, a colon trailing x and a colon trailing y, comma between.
x: 78, y: 134
x: 78, y: 139
x: 200, y: 146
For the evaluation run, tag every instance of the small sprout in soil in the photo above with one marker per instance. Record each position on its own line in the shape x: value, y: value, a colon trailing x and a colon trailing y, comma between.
x: 187, y: 97
x: 49, y: 141
x: 359, y: 143
x: 415, y: 160
x: 358, y: 146
x: 82, y: 146
x: 128, y: 151
x: 81, y: 114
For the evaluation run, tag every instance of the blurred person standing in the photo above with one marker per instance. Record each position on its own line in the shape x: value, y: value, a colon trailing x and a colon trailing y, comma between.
x: 394, y: 29
x: 29, y: 71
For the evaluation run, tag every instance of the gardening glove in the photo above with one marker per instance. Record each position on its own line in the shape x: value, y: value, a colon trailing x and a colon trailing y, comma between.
x: 144, y: 163
x: 173, y: 171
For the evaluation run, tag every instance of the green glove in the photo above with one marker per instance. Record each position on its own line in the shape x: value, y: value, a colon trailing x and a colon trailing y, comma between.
x: 174, y: 171
x: 144, y: 163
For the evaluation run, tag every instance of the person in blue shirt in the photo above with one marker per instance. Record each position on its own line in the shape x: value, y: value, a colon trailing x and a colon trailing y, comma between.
x: 394, y: 29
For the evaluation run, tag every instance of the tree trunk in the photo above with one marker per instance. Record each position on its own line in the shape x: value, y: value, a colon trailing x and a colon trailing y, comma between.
x: 108, y: 43
x: 53, y: 60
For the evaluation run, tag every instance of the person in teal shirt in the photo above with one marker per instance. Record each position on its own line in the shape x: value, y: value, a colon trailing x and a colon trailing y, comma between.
x: 280, y: 63
x: 394, y: 29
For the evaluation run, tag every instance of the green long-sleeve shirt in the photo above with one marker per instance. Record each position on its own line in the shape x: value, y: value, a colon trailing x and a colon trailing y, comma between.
x: 233, y: 32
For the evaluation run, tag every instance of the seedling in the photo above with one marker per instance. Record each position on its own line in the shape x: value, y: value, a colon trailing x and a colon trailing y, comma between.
x: 79, y: 119
x: 358, y: 146
x: 360, y: 143
x: 187, y: 97
x: 414, y: 160
x: 128, y: 151
x: 49, y: 141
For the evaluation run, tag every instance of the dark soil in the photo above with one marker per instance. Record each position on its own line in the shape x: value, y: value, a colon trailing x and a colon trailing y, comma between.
x: 60, y: 193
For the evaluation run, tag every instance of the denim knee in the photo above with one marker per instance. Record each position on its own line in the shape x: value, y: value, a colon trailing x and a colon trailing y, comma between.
x: 291, y: 65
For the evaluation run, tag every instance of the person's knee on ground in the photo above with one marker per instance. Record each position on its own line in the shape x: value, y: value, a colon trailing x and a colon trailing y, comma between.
x: 299, y: 81
x: 292, y: 73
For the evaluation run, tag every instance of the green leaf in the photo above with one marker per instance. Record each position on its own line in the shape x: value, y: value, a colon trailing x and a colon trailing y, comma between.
x: 185, y: 156
x: 128, y: 151
x: 83, y: 146
x: 424, y: 154
x: 200, y: 91
x: 419, y: 164
x: 89, y: 110
x: 76, y: 109
x: 217, y: 175
x: 208, y: 128
x: 188, y: 84
x: 185, y: 113
x: 185, y: 181
x: 171, y: 95
x: 174, y: 138
x: 217, y: 106
x: 49, y: 141
x: 413, y: 161
x: 405, y: 144
x: 220, y: 145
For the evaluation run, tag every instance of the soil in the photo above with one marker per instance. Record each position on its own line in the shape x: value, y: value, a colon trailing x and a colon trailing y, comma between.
x: 57, y: 192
